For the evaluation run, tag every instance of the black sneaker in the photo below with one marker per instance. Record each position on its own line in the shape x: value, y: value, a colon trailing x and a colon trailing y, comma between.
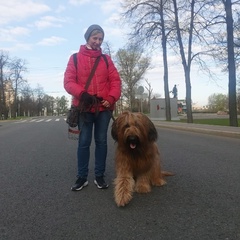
x: 80, y: 184
x: 100, y: 183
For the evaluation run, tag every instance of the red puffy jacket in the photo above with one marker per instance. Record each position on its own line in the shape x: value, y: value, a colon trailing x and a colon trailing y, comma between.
x: 105, y: 83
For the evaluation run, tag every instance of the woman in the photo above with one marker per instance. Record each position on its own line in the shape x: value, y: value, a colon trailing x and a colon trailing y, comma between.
x: 97, y: 103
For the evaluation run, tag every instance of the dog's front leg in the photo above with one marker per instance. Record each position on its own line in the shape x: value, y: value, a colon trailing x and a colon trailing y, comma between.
x: 143, y: 184
x: 123, y: 192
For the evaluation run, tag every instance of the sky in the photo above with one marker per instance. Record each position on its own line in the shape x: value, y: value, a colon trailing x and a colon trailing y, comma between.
x: 45, y: 33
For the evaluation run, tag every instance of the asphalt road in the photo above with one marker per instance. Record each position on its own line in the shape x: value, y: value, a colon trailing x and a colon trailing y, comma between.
x: 38, y: 167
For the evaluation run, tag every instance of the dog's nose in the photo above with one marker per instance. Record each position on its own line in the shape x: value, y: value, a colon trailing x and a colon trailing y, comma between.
x: 132, y: 138
x: 133, y: 141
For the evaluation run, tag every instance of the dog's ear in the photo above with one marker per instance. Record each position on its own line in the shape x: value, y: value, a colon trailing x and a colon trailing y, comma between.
x: 152, y: 132
x: 114, y: 130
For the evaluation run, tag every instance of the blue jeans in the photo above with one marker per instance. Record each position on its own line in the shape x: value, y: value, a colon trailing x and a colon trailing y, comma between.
x: 100, y: 122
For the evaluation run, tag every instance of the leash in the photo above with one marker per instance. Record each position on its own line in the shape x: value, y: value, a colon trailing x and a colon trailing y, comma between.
x: 112, y: 117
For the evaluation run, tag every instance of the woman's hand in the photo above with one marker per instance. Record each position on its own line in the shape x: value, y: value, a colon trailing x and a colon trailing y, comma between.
x: 105, y: 103
x: 86, y: 98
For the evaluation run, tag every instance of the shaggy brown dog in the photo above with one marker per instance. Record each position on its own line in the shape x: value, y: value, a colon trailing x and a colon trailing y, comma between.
x: 137, y: 156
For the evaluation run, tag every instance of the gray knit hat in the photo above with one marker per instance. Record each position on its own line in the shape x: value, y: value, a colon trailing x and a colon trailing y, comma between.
x: 92, y: 28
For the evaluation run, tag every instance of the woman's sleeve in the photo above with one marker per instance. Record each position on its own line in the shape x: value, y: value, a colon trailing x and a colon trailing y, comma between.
x: 70, y: 80
x: 115, y: 82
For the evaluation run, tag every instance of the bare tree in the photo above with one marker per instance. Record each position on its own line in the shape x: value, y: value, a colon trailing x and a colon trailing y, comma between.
x: 150, y: 91
x: 107, y: 48
x: 132, y: 67
x: 18, y: 67
x: 4, y: 61
x: 48, y: 104
x: 147, y: 19
x: 223, y: 26
x: 186, y: 52
x: 16, y: 95
x: 177, y: 24
x: 218, y: 102
x: 28, y: 105
x: 39, y: 91
x: 62, y: 103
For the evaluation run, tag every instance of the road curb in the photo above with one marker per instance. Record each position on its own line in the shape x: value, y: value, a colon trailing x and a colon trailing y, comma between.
x: 205, y: 129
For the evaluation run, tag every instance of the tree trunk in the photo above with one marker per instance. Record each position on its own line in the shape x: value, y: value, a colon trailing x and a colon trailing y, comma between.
x: 231, y: 67
x: 186, y: 66
x: 3, y: 105
x: 165, y: 76
x: 188, y: 95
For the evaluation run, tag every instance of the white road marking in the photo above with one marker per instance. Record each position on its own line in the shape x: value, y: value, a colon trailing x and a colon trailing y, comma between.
x: 37, y: 120
x: 40, y: 120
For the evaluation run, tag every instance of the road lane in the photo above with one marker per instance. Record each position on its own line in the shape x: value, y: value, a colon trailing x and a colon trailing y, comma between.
x: 38, y: 167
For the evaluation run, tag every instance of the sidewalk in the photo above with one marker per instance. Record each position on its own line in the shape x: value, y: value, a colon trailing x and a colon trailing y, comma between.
x: 226, y: 131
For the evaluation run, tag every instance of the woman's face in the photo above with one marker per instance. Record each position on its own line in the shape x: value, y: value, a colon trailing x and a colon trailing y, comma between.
x: 95, y: 41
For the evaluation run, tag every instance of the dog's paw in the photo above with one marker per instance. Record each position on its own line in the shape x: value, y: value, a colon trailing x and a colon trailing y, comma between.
x: 159, y: 182
x: 123, y: 200
x: 146, y: 188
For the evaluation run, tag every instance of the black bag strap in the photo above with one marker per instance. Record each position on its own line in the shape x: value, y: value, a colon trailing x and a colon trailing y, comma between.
x: 75, y: 59
x: 92, y: 72
x: 93, y: 69
x: 105, y: 59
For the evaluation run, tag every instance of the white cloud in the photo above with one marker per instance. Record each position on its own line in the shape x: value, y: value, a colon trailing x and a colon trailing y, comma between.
x: 51, y: 41
x: 79, y: 2
x: 106, y: 6
x: 10, y: 34
x: 60, y: 9
x: 110, y: 6
x: 49, y: 21
x: 20, y: 9
x: 115, y: 18
x: 22, y: 46
x: 18, y: 47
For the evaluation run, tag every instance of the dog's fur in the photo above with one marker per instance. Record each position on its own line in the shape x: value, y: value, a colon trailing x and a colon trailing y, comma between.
x: 137, y: 158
